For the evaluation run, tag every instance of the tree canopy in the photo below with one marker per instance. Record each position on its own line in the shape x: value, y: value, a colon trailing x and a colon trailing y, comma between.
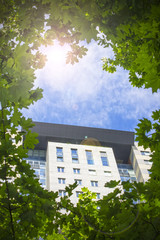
x: 131, y: 28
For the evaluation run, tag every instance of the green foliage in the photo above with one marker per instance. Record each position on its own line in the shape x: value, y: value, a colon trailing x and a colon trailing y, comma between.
x: 112, y: 184
x: 56, y: 236
x: 133, y: 215
x: 27, y: 211
x: 148, y: 132
x: 131, y: 28
x: 25, y: 208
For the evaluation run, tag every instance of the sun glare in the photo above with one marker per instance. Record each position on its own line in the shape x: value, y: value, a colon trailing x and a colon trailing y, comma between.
x: 56, y: 54
x: 56, y: 71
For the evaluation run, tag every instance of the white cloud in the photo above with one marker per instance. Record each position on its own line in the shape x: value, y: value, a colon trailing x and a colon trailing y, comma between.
x: 82, y: 79
x: 83, y: 94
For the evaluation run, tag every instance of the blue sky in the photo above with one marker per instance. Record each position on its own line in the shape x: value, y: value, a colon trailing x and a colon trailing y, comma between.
x: 85, y: 95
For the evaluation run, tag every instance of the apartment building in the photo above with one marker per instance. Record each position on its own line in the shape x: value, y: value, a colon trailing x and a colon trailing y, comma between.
x: 89, y: 156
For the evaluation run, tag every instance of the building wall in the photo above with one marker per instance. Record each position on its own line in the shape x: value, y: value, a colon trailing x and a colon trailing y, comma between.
x: 102, y: 173
x: 37, y: 161
x: 121, y: 155
x: 140, y: 161
x: 46, y: 167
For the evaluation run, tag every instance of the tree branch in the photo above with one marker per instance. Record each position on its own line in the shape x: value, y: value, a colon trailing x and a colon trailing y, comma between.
x: 109, y: 234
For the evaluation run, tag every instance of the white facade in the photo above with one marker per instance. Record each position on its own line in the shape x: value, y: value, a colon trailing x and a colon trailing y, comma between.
x: 66, y: 154
x: 64, y: 163
x: 62, y: 171
x: 140, y: 159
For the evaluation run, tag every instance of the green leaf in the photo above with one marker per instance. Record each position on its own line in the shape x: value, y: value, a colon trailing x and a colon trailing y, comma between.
x: 26, y: 123
x: 156, y: 115
x: 15, y: 119
x: 112, y: 184
x: 30, y: 140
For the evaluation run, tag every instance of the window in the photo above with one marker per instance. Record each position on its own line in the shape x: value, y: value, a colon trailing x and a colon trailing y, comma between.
x: 74, y: 155
x: 59, y: 151
x: 42, y: 164
x: 124, y: 179
x: 60, y: 169
x: 43, y: 182
x: 148, y: 162
x: 92, y: 172
x: 104, y: 159
x: 124, y: 172
x: 78, y: 193
x: 107, y: 173
x: 89, y: 157
x: 42, y: 154
x: 36, y: 164
x: 62, y: 193
x: 146, y: 153
x: 94, y: 183
x: 37, y: 154
x: 59, y: 154
x: 76, y: 170
x: 98, y: 195
x: 133, y: 179
x: 42, y: 173
x: 78, y: 181
x: 59, y: 159
x: 61, y: 180
x: 31, y: 163
x: 39, y: 168
x: 36, y: 171
x: 131, y: 172
x: 30, y: 152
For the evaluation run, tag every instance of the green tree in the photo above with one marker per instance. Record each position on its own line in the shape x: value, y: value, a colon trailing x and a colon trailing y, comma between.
x: 131, y: 28
x: 130, y: 214
x: 27, y: 211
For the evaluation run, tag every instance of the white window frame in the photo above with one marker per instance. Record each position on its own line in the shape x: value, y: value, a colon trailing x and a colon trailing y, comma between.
x: 94, y: 183
x: 78, y: 181
x: 60, y: 168
x: 61, y: 180
x: 61, y: 193
x: 76, y: 170
x: 108, y: 173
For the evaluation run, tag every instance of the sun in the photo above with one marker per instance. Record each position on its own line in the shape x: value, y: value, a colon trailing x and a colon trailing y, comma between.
x: 56, y: 54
